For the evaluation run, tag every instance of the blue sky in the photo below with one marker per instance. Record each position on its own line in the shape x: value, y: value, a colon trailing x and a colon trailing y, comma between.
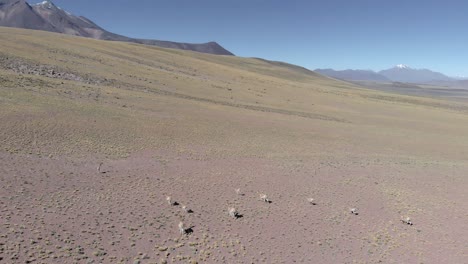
x: 357, y: 34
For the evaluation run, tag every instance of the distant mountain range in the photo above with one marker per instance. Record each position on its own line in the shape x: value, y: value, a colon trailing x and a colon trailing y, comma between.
x: 403, y: 73
x: 399, y: 73
x: 353, y: 75
x: 48, y: 17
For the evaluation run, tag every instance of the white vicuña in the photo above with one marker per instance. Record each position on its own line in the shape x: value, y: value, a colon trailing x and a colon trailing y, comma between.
x: 99, y: 168
x: 182, y: 229
x: 169, y: 200
x: 264, y: 198
x: 233, y: 212
x: 311, y: 201
x: 353, y: 211
x: 185, y: 208
x: 407, y: 220
x: 237, y: 191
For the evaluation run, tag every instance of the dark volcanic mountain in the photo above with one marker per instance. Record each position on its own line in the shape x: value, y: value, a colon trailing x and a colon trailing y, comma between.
x: 353, y: 75
x: 48, y: 17
x: 18, y: 13
x: 67, y: 23
x: 403, y: 73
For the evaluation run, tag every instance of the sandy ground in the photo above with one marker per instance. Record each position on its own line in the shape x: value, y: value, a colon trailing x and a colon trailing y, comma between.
x: 59, y: 210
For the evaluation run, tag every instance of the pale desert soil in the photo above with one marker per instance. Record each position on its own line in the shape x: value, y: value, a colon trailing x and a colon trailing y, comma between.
x: 60, y: 210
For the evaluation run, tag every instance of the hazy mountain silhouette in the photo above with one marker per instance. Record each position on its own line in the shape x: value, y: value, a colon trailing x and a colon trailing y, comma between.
x: 400, y: 74
x: 353, y: 75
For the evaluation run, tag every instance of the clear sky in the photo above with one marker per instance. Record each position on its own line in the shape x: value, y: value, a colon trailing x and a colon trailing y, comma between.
x: 339, y: 34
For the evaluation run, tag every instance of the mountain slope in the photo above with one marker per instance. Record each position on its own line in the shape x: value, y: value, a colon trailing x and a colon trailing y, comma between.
x: 353, y: 75
x: 47, y: 16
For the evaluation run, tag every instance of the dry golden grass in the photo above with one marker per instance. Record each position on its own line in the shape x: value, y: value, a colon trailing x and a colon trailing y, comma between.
x: 161, y: 96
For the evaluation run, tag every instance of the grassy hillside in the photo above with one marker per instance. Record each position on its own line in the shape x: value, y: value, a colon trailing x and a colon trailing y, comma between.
x: 99, y: 81
x: 215, y: 122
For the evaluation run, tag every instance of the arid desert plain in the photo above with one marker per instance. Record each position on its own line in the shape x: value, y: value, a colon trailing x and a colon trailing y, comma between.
x: 95, y: 135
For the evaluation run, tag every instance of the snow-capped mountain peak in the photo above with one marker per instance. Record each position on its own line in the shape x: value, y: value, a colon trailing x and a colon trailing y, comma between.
x: 46, y: 4
x: 403, y: 73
